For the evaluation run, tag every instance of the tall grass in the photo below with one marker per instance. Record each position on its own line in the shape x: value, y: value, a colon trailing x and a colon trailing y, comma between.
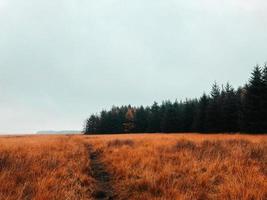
x: 44, y: 167
x: 187, y: 166
x: 147, y: 167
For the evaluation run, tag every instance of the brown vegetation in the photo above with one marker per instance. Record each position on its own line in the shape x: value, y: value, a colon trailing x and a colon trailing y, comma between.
x: 186, y: 166
x: 158, y: 166
x: 44, y: 167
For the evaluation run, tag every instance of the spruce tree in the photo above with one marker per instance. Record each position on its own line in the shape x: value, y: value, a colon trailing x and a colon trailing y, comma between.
x: 115, y: 120
x: 264, y: 99
x: 140, y: 120
x: 154, y: 118
x: 169, y: 120
x: 253, y: 103
x: 214, y: 110
x: 230, y: 110
x: 92, y: 125
x: 189, y: 112
x: 200, y: 120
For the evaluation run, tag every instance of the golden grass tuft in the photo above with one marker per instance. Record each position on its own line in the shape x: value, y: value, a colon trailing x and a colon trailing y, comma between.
x: 187, y: 166
x: 44, y: 167
x: 119, y: 143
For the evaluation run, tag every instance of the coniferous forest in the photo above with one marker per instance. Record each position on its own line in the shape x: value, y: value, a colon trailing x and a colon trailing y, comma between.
x: 225, y: 109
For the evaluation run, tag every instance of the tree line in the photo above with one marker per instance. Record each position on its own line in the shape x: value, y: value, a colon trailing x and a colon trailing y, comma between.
x: 225, y: 109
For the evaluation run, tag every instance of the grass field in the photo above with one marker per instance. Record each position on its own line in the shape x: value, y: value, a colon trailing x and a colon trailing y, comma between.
x: 158, y: 166
x: 44, y: 167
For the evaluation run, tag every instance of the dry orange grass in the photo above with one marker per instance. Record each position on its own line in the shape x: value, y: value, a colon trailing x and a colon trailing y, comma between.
x: 187, y: 167
x: 44, y: 167
x: 147, y: 167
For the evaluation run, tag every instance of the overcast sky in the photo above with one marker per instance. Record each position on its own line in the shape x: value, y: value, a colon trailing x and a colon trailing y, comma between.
x: 61, y: 60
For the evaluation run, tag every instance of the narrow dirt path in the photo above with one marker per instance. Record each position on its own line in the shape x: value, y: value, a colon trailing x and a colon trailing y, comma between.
x: 99, y: 173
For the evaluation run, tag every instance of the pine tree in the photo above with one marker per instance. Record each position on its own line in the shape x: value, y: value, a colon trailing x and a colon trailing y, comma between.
x: 140, y: 120
x: 104, y: 126
x: 230, y: 110
x: 169, y: 119
x: 200, y: 120
x: 189, y: 112
x: 92, y: 125
x: 115, y: 120
x: 214, y: 110
x: 154, y: 118
x: 264, y: 99
x: 240, y: 96
x: 253, y: 103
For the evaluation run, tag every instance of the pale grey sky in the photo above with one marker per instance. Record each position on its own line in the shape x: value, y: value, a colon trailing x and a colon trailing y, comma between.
x: 61, y: 60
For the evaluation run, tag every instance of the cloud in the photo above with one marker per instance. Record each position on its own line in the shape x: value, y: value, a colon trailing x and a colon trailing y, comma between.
x: 3, y: 6
x: 238, y: 5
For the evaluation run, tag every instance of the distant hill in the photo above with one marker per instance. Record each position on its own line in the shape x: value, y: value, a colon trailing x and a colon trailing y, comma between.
x: 51, y: 132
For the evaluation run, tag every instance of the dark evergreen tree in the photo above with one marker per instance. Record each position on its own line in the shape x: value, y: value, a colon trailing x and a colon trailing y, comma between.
x: 264, y: 99
x: 92, y: 124
x: 179, y: 124
x: 214, y: 110
x: 154, y: 118
x: 169, y: 118
x: 115, y: 120
x: 240, y: 96
x: 189, y: 111
x: 200, y: 120
x: 141, y: 120
x: 252, y: 105
x: 230, y: 110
